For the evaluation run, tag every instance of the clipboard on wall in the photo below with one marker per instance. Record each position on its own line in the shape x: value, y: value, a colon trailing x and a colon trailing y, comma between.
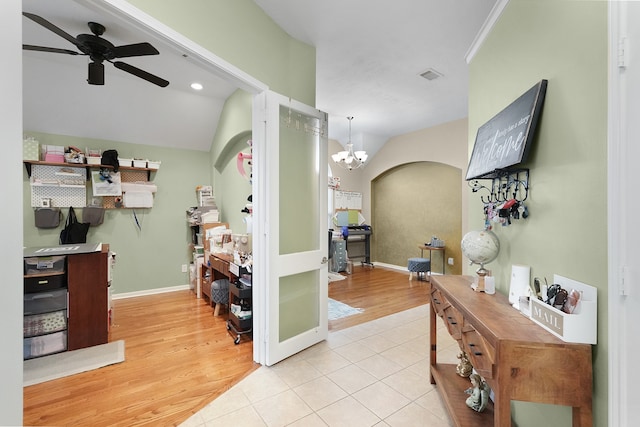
x: 349, y: 200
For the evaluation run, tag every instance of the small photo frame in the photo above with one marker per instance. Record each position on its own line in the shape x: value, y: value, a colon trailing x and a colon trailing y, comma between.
x: 45, y: 203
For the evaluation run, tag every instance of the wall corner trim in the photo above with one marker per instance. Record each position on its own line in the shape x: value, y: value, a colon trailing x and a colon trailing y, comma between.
x: 485, y: 29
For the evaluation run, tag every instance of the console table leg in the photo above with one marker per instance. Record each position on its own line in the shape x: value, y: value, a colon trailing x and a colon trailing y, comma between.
x: 582, y: 416
x: 432, y: 338
x: 502, y: 412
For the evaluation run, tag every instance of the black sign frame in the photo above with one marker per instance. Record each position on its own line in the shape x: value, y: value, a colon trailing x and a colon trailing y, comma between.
x: 505, y: 140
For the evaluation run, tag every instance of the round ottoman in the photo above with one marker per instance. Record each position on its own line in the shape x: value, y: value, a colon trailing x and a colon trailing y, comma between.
x: 418, y: 265
x: 219, y: 293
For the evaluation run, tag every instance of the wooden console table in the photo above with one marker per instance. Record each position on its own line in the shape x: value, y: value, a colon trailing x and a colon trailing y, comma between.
x: 517, y: 358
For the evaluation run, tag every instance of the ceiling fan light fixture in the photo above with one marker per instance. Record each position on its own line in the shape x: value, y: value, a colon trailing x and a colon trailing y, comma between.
x: 196, y: 86
x: 96, y: 73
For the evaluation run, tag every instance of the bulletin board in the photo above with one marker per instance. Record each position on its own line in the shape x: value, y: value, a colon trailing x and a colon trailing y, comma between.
x: 350, y: 200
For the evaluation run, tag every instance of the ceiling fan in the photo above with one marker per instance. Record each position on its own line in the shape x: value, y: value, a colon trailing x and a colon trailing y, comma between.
x: 99, y: 50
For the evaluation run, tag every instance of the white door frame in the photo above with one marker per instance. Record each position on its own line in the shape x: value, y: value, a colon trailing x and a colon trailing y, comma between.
x: 242, y: 80
x: 623, y: 206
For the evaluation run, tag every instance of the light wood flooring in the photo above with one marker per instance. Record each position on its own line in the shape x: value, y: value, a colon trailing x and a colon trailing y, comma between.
x: 179, y: 357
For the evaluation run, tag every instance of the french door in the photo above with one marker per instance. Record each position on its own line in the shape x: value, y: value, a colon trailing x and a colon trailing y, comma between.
x: 290, y: 158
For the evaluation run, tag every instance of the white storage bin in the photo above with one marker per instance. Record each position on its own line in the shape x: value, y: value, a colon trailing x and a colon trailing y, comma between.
x: 578, y: 327
x: 137, y: 163
x: 153, y: 165
x: 44, y: 265
x: 44, y: 344
x: 123, y: 161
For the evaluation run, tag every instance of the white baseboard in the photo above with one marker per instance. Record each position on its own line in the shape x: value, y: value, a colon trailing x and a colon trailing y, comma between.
x: 151, y: 292
x: 402, y: 268
x: 392, y: 267
x: 156, y: 291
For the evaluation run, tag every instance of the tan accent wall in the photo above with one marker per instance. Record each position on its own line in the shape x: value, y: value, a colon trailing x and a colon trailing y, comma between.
x: 410, y: 204
x: 436, y: 151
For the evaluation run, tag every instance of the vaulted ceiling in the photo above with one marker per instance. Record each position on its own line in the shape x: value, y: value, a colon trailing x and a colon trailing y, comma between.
x: 370, y: 55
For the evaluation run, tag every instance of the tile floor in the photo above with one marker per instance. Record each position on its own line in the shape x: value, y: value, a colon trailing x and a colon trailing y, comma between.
x: 373, y: 374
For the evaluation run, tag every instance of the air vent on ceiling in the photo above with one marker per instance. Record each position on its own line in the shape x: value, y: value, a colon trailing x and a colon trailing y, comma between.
x: 431, y: 74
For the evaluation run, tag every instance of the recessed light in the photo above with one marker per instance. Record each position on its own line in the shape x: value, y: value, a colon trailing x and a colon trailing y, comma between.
x: 196, y: 86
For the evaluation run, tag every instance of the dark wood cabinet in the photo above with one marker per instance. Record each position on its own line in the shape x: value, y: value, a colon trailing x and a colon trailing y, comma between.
x: 87, y: 282
x: 66, y: 305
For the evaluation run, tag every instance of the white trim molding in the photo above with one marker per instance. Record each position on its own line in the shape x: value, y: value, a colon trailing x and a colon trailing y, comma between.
x: 617, y: 189
x: 485, y: 29
x: 156, y: 291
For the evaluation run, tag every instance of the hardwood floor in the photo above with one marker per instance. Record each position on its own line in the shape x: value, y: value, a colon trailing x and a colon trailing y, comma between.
x: 379, y: 291
x: 179, y: 357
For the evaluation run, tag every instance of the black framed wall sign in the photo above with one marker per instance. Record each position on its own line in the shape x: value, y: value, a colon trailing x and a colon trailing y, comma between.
x: 505, y: 140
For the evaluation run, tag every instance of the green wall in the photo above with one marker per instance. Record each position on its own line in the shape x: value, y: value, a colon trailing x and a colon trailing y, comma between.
x: 150, y: 257
x: 242, y: 34
x: 564, y: 42
x: 231, y: 137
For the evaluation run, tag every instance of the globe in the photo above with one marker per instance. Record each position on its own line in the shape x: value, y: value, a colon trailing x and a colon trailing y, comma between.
x: 481, y: 247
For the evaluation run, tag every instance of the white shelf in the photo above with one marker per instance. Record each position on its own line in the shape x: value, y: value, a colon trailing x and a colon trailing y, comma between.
x: 69, y: 174
x: 40, y: 184
x: 63, y: 189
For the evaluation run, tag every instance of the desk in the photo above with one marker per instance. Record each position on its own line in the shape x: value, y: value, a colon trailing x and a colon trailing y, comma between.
x: 217, y: 268
x: 360, y: 233
x: 430, y: 249
x: 240, y: 292
x: 518, y: 359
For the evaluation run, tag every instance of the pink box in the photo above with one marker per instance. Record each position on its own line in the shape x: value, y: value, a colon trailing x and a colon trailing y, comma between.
x: 54, y: 158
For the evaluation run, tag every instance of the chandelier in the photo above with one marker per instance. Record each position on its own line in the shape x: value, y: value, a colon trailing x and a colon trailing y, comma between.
x: 349, y: 159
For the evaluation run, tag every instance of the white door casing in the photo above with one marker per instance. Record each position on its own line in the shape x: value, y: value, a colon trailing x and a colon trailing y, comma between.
x: 290, y: 149
x: 623, y: 208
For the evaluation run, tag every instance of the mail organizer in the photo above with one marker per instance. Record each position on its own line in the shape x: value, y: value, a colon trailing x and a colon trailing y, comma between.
x: 577, y: 327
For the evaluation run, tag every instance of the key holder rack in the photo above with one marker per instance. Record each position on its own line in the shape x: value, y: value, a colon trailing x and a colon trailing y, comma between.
x: 505, y: 185
x: 507, y: 192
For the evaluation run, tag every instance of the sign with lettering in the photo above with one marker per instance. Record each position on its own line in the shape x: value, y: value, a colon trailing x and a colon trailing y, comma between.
x: 505, y: 140
x: 547, y: 316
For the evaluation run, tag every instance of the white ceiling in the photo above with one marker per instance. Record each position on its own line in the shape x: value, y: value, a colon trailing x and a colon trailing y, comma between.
x: 369, y: 58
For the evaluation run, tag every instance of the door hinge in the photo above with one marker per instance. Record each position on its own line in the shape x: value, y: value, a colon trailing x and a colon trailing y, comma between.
x: 623, y: 52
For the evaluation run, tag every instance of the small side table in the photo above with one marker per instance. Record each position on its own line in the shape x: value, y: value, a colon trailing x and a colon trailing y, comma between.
x: 431, y: 249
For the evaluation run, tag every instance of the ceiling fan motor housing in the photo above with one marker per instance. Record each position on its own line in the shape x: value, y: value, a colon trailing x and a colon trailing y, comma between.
x: 97, y: 48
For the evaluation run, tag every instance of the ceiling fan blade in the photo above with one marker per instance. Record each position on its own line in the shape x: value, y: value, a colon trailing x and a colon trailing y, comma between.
x: 49, y: 49
x: 141, y: 73
x: 137, y: 49
x: 49, y: 26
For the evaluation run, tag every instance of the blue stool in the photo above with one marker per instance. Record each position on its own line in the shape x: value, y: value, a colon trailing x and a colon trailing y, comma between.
x: 419, y: 265
x: 219, y: 294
